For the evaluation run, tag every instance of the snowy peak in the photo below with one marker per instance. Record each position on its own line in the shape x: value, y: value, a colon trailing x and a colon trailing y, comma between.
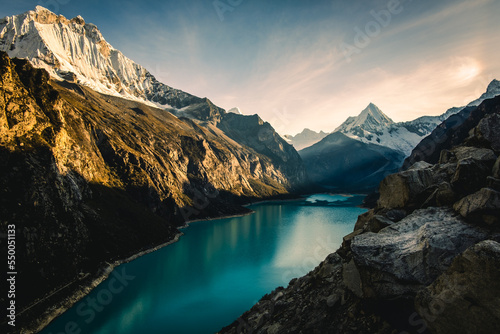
x: 370, y: 120
x: 492, y: 91
x: 75, y: 50
x: 305, y: 139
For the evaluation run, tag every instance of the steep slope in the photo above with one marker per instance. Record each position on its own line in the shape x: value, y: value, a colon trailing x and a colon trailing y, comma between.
x: 305, y: 139
x: 370, y: 121
x: 343, y: 163
x: 426, y: 259
x: 76, y: 50
x: 93, y: 178
x: 452, y: 131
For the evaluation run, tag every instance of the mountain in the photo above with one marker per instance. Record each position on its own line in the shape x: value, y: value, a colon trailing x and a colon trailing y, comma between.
x: 342, y: 163
x: 76, y: 51
x: 93, y: 179
x: 305, y: 139
x: 492, y: 90
x: 102, y: 162
x: 455, y: 130
x: 425, y: 259
x: 373, y: 126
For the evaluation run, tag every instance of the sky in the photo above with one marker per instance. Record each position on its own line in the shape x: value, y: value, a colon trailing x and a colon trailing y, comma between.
x: 303, y: 64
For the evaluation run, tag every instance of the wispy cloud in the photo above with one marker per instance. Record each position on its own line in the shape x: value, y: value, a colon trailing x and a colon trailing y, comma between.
x: 283, y: 58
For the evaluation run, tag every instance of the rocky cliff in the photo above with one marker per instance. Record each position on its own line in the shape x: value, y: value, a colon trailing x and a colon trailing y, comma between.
x: 89, y: 179
x: 426, y: 259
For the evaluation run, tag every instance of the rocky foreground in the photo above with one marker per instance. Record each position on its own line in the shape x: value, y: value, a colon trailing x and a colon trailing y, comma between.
x: 426, y: 259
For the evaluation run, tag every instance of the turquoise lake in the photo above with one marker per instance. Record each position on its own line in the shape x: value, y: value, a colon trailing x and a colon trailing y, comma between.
x: 216, y: 271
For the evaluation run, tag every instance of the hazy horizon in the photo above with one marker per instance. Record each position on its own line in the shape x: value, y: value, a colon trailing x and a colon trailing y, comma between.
x: 301, y: 65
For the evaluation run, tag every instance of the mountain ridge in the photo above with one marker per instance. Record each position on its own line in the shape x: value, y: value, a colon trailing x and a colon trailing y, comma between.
x: 57, y: 44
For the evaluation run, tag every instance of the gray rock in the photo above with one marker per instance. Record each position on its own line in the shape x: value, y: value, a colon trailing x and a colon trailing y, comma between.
x: 482, y: 206
x: 352, y: 279
x: 493, y: 183
x: 496, y: 169
x: 467, y: 152
x: 470, y: 175
x: 396, y: 215
x: 405, y: 257
x: 444, y: 195
x: 465, y: 299
x: 420, y: 165
x: 488, y: 130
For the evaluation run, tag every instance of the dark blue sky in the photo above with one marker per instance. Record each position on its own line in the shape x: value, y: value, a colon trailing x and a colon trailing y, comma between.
x: 305, y: 64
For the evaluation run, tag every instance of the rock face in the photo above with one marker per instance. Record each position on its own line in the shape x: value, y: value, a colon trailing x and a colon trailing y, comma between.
x: 405, y: 257
x: 464, y: 299
x: 424, y: 260
x: 89, y: 179
x: 454, y: 131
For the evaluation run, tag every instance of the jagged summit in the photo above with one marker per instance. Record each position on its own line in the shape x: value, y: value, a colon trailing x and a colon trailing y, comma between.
x: 75, y: 50
x: 44, y: 16
x: 492, y: 91
x: 371, y: 120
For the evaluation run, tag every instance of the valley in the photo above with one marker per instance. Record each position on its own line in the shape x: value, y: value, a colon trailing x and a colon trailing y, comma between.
x: 134, y: 206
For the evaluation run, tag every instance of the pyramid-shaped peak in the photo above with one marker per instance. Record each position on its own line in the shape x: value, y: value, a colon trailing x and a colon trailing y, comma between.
x: 374, y: 112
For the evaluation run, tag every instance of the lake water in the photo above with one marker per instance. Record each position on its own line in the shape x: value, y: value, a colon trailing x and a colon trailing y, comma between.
x: 216, y: 271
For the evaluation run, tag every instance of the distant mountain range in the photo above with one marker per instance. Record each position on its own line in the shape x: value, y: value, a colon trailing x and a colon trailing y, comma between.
x: 305, y: 139
x: 372, y: 126
x: 378, y: 146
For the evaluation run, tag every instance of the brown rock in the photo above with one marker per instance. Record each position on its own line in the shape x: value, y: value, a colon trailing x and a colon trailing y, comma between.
x: 465, y: 298
x: 400, y: 189
x: 482, y: 206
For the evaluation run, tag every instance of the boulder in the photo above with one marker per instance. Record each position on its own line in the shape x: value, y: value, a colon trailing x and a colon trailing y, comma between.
x: 444, y: 195
x: 465, y: 299
x: 371, y: 222
x: 493, y: 183
x: 363, y: 219
x: 482, y: 206
x: 467, y: 152
x: 471, y: 174
x: 407, y: 256
x: 496, y: 169
x: 488, y: 131
x: 400, y: 190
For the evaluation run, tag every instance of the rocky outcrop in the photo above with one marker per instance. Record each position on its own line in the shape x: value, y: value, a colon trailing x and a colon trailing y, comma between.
x: 424, y: 260
x: 89, y: 179
x: 464, y: 299
x: 455, y: 130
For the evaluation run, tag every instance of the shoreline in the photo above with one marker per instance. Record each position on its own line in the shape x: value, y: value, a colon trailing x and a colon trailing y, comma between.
x: 82, y: 290
x: 75, y: 295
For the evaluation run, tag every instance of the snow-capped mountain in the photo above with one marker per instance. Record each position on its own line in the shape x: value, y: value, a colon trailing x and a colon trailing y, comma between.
x: 492, y: 91
x: 370, y: 120
x: 372, y: 126
x: 305, y: 139
x: 76, y: 51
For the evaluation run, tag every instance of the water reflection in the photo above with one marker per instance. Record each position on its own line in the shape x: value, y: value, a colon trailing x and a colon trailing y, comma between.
x: 220, y: 268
